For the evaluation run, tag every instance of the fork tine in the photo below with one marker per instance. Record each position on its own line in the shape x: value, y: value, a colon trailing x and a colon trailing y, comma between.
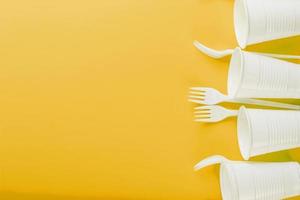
x: 202, y: 116
x: 196, y: 97
x: 203, y: 108
x: 199, y: 89
x: 196, y: 101
x: 204, y: 120
x: 202, y: 112
x: 197, y: 93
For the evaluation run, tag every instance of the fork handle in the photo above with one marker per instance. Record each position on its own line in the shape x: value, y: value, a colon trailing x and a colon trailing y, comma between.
x: 264, y: 103
x: 232, y: 113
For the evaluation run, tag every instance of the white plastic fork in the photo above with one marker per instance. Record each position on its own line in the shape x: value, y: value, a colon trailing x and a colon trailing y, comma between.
x: 223, y: 53
x: 213, y: 113
x: 210, y: 96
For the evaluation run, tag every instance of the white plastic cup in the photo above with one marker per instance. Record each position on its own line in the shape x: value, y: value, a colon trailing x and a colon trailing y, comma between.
x: 264, y: 131
x: 257, y: 21
x: 241, y: 180
x: 256, y: 76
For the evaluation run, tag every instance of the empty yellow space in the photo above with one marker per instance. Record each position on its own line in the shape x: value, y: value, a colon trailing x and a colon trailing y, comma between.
x: 93, y: 98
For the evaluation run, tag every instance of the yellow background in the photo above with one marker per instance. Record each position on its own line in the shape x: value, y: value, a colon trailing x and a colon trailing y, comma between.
x: 94, y: 98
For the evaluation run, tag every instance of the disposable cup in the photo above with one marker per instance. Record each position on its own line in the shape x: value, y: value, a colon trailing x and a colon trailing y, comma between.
x: 256, y: 76
x: 263, y: 131
x: 241, y: 180
x: 257, y: 21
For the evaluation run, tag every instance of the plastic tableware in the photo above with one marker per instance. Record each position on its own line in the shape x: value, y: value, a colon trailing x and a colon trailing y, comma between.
x: 227, y: 52
x: 257, y: 21
x: 256, y: 76
x: 212, y: 114
x: 210, y: 96
x: 260, y: 131
x: 242, y: 180
x: 264, y: 131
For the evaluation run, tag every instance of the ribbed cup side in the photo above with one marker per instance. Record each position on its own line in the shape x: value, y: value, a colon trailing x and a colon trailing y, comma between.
x: 267, y: 181
x: 273, y: 130
x: 268, y: 187
x: 268, y: 77
x: 271, y: 75
x: 272, y: 19
x: 284, y: 129
x: 278, y: 21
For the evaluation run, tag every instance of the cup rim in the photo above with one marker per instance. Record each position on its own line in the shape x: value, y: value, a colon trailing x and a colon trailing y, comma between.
x: 235, y: 72
x: 244, y: 133
x: 242, y: 36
